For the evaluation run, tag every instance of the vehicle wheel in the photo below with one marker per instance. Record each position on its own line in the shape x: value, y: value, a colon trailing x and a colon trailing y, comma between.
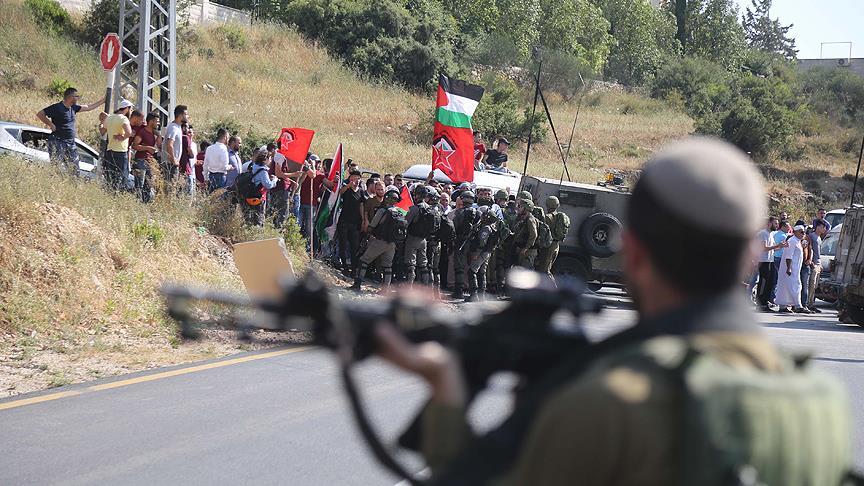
x: 855, y: 314
x: 600, y: 235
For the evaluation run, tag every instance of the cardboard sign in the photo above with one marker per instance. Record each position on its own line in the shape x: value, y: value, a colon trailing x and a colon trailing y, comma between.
x: 261, y: 265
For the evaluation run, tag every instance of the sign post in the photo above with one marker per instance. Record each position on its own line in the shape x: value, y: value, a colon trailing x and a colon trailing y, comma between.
x: 109, y: 55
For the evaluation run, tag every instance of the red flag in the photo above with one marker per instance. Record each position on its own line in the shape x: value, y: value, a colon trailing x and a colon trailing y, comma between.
x: 294, y: 143
x: 406, y: 202
x: 336, y: 165
x: 453, y: 140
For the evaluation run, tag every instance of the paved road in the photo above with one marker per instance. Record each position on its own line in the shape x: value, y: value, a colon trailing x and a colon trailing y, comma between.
x: 280, y: 418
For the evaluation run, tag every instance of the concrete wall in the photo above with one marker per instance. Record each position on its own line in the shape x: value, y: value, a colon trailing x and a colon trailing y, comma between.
x: 856, y: 64
x: 203, y: 12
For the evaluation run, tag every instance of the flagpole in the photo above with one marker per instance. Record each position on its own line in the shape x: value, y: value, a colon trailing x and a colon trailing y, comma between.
x: 311, y: 217
x: 533, y: 111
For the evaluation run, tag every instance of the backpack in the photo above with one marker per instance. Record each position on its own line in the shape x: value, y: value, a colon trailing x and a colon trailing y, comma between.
x: 560, y: 225
x: 485, y: 240
x: 467, y: 219
x: 427, y: 222
x: 787, y: 427
x: 244, y: 185
x: 446, y: 232
x: 544, y: 235
x: 392, y: 228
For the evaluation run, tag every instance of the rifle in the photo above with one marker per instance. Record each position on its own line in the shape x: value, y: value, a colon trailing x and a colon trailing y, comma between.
x: 520, y: 338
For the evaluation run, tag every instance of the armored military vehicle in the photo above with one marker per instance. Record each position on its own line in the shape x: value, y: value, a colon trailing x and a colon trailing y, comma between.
x: 590, y: 250
x: 847, y: 272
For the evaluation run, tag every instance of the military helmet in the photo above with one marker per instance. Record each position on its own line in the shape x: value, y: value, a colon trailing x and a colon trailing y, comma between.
x: 421, y: 191
x: 465, y: 186
x: 393, y: 192
x: 552, y: 203
x: 538, y: 212
x: 467, y: 194
x: 488, y: 215
x: 501, y: 194
x: 526, y: 196
x: 527, y: 203
x: 431, y: 193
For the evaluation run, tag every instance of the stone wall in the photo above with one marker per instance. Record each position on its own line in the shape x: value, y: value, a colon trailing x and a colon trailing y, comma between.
x: 204, y: 12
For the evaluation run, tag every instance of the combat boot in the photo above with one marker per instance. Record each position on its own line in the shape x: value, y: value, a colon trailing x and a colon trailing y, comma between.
x: 458, y: 293
x: 356, y: 285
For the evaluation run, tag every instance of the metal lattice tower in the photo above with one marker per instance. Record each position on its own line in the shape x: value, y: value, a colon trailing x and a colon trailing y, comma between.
x: 150, y: 28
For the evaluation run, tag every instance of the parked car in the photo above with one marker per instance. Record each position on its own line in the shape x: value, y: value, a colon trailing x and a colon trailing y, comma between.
x: 32, y: 143
x: 835, y: 217
x: 826, y: 292
x: 486, y: 179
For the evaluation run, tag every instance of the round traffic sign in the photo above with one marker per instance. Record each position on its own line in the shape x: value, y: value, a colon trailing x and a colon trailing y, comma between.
x: 109, y: 54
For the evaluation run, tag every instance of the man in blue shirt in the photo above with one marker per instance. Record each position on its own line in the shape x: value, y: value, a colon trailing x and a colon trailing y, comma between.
x: 60, y: 118
x: 780, y: 238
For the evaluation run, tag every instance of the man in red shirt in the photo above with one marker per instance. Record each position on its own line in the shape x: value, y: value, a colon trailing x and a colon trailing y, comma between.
x: 479, y: 150
x: 145, y: 145
x: 310, y: 193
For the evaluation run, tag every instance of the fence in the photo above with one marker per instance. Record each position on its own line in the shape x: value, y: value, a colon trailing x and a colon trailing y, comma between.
x: 203, y: 12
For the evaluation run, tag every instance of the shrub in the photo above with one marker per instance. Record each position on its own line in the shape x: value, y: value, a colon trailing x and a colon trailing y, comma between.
x: 497, y: 51
x: 563, y: 73
x: 50, y: 15
x: 382, y: 39
x: 836, y: 93
x: 501, y: 112
x: 233, y: 36
x: 150, y: 231
x: 252, y: 138
x: 57, y: 86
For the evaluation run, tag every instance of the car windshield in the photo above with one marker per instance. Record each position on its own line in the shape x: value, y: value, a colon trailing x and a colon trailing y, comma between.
x: 829, y: 246
x: 834, y: 219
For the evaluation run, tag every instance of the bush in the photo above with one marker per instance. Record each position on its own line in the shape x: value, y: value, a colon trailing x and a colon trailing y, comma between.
x: 382, y: 39
x: 252, y: 138
x: 563, y: 73
x: 497, y: 51
x: 102, y: 17
x: 150, y: 232
x: 835, y: 93
x: 50, y: 15
x: 233, y: 36
x: 57, y: 86
x: 501, y: 112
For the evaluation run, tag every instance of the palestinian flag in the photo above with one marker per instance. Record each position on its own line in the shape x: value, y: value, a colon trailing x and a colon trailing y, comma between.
x: 328, y: 209
x: 293, y: 144
x: 405, y: 204
x: 453, y: 141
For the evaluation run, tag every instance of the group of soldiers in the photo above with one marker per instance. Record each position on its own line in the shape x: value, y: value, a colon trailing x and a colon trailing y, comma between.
x: 467, y: 244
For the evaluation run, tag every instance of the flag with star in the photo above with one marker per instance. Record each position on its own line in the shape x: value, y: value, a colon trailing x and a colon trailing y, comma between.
x: 453, y: 140
x: 293, y: 144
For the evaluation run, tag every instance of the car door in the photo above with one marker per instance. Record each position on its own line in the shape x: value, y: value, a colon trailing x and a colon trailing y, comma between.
x: 87, y: 159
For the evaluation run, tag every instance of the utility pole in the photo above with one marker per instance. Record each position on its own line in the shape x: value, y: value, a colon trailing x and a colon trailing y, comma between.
x: 149, y: 66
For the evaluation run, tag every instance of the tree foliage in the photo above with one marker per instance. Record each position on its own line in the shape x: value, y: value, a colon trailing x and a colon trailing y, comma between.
x: 712, y: 31
x: 501, y: 113
x: 767, y: 34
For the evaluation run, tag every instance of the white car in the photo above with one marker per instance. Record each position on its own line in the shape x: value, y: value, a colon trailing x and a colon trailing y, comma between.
x: 32, y: 143
x: 485, y: 179
x: 827, y: 251
x: 835, y: 217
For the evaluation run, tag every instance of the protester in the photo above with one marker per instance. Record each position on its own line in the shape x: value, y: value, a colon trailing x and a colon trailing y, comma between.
x: 115, y: 166
x: 789, y: 278
x: 388, y: 180
x: 820, y: 216
x: 310, y: 193
x: 146, y: 146
x: 60, y: 119
x: 235, y: 143
x: 807, y: 256
x: 216, y: 161
x: 496, y: 159
x: 479, y: 151
x: 820, y: 228
x: 766, y: 265
x: 255, y: 195
x: 172, y: 145
x: 136, y: 120
x: 199, y: 166
x: 350, y: 222
x: 187, y: 157
x: 781, y: 236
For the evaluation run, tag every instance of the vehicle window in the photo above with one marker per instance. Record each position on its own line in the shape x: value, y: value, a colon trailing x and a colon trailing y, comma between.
x: 829, y: 246
x: 35, y: 140
x: 834, y: 219
x: 85, y: 156
x: 14, y: 132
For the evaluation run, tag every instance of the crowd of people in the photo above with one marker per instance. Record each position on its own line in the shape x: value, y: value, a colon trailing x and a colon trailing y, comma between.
x: 788, y: 266
x: 457, y: 238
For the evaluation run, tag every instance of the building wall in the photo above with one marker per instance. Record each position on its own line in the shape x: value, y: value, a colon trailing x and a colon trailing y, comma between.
x: 203, y: 12
x: 856, y: 64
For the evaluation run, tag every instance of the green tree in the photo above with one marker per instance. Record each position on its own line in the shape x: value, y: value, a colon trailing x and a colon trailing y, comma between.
x: 575, y: 27
x: 712, y: 31
x: 502, y: 113
x: 643, y: 37
x: 765, y: 33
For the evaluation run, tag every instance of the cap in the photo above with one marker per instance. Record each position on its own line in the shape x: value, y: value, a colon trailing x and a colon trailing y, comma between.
x: 799, y: 228
x: 123, y: 104
x: 501, y: 194
x: 504, y: 141
x: 710, y: 184
x: 526, y: 195
x: 552, y: 203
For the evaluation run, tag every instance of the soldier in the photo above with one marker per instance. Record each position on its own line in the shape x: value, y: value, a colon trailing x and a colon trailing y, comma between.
x: 464, y: 222
x: 525, y: 235
x: 631, y: 412
x: 482, y: 245
x: 433, y: 242
x: 387, y: 227
x: 423, y: 222
x: 559, y: 225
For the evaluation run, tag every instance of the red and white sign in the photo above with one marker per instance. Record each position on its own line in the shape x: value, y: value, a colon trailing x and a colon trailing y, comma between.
x: 109, y: 54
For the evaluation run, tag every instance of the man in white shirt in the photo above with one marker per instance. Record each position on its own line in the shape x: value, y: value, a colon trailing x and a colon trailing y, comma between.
x: 216, y: 163
x: 172, y: 144
x: 789, y: 279
x: 766, y: 248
